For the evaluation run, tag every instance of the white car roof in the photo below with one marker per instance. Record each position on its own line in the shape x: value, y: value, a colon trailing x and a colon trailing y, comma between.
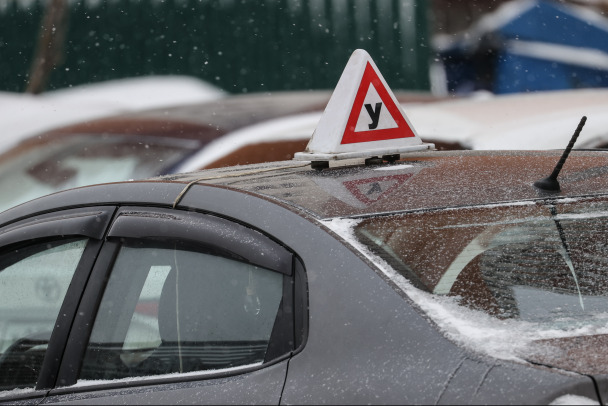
x: 530, y: 121
x: 23, y: 114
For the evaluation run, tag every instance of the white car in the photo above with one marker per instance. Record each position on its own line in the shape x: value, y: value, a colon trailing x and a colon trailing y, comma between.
x: 530, y: 121
x: 23, y: 115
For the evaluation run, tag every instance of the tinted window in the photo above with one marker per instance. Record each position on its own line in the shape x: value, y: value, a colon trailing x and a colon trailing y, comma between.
x: 540, y: 263
x: 170, y: 308
x: 33, y: 283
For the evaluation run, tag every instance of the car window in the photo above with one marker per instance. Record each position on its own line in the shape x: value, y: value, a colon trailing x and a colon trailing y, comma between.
x: 33, y: 282
x: 78, y: 160
x: 541, y: 263
x: 171, y: 308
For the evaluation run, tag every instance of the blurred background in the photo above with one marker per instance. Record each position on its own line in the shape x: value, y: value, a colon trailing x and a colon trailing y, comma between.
x: 240, y: 46
x: 443, y: 46
x: 95, y: 91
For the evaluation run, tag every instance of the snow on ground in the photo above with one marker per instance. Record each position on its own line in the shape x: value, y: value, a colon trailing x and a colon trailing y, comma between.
x: 12, y: 392
x: 22, y: 115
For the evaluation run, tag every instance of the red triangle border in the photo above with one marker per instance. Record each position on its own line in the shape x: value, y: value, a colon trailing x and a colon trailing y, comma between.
x: 402, y: 130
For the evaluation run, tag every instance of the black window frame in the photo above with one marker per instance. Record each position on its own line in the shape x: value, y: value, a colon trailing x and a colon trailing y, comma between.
x: 87, y: 222
x: 162, y: 224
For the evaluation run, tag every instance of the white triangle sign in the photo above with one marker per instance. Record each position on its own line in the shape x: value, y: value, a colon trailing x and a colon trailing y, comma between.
x: 362, y: 119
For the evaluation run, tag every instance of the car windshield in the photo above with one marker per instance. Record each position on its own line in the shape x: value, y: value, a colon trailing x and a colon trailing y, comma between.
x: 537, y: 268
x: 78, y: 160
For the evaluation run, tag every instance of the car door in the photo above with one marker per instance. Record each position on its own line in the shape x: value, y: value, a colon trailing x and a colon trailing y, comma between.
x: 45, y: 262
x: 189, y: 308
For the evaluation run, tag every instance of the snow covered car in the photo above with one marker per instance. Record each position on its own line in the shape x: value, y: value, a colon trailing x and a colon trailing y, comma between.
x: 362, y: 271
x: 525, y: 121
x: 147, y: 143
x: 232, y: 130
x: 62, y: 107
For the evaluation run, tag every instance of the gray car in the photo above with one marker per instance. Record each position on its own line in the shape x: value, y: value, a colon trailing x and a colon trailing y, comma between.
x: 440, y: 278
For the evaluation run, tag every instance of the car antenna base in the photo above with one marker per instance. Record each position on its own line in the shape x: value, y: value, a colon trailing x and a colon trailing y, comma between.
x: 550, y: 183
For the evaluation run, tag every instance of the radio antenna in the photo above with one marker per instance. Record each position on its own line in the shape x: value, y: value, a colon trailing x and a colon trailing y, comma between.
x: 550, y: 183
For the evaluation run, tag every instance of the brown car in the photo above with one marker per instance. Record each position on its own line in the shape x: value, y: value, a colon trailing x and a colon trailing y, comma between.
x: 161, y: 141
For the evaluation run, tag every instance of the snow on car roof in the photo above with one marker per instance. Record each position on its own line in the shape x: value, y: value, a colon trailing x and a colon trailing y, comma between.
x: 428, y: 180
x: 67, y: 106
x: 530, y: 121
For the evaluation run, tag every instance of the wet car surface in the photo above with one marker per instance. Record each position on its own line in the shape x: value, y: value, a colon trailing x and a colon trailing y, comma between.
x: 368, y: 269
x: 159, y: 141
x: 444, y: 277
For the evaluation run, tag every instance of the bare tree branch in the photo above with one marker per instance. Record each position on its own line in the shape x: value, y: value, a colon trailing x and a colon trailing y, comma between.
x: 49, y: 48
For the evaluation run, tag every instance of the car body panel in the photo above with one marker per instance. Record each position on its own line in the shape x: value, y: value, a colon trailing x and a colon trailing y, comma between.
x: 336, y: 299
x: 525, y: 385
x: 259, y: 387
x: 367, y: 341
x: 359, y: 341
x: 483, y: 392
x: 591, y: 180
x: 29, y: 398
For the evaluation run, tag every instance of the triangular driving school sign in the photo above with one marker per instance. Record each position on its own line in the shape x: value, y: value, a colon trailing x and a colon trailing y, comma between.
x: 362, y: 119
x: 374, y: 115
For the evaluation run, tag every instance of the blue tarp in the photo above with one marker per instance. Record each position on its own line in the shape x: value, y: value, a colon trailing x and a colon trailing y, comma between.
x: 530, y: 46
x: 518, y: 73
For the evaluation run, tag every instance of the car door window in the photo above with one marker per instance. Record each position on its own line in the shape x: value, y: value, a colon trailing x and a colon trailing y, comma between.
x: 34, y: 279
x: 176, y: 307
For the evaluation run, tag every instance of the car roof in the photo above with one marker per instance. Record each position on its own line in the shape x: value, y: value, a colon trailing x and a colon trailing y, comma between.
x: 63, y: 107
x: 217, y: 116
x: 221, y: 115
x: 528, y: 121
x: 420, y: 181
x: 208, y: 122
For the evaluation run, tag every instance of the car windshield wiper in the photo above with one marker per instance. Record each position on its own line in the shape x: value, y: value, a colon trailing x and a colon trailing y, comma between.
x: 565, y: 252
